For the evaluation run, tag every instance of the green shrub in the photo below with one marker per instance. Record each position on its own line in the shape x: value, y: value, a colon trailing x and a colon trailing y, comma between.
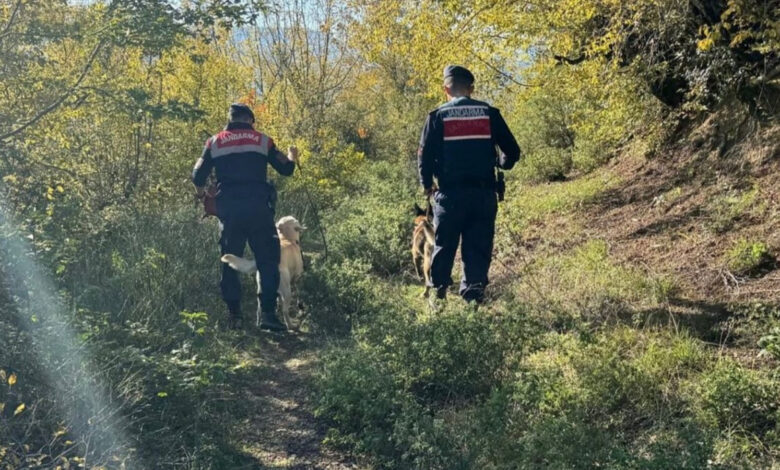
x: 743, y: 407
x: 375, y: 224
x: 448, y: 357
x: 545, y: 164
x: 360, y: 400
x: 770, y: 343
x: 747, y: 257
x: 749, y: 322
x: 610, y: 403
x: 339, y: 296
x: 369, y: 412
x: 727, y: 209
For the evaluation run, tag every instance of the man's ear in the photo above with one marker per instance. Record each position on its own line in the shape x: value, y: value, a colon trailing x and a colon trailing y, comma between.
x: 418, y: 210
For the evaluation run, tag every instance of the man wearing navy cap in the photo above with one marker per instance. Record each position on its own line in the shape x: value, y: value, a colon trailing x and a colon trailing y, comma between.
x: 245, y: 206
x: 462, y: 143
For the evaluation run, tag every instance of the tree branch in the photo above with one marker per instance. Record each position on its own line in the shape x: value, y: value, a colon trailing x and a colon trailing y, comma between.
x: 11, y: 20
x: 61, y: 99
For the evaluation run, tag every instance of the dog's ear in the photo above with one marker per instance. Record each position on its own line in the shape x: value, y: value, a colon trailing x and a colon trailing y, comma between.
x: 418, y: 211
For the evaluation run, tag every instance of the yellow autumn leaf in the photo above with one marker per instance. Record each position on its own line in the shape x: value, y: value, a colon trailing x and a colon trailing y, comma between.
x: 19, y: 409
x: 12, y: 380
x: 2, y: 375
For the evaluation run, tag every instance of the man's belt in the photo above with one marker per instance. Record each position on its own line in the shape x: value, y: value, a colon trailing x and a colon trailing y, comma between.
x: 468, y: 183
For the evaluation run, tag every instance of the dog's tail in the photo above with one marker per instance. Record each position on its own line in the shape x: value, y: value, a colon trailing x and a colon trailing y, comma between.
x: 240, y: 264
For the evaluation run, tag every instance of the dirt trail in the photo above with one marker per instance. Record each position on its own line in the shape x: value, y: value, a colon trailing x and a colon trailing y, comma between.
x: 281, y: 430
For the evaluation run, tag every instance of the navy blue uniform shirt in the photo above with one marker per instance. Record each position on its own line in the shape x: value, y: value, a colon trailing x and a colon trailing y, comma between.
x: 459, y: 144
x: 240, y: 155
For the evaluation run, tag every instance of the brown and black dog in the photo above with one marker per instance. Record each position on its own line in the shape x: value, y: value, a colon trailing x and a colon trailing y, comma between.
x: 422, y: 244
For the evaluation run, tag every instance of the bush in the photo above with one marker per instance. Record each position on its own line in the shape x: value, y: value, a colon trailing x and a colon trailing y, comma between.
x: 339, y: 296
x: 610, y: 403
x: 370, y: 413
x: 727, y: 209
x: 396, y: 392
x: 360, y: 400
x: 623, y: 399
x: 747, y: 257
x: 545, y: 164
x: 374, y: 225
x: 449, y: 357
x: 770, y: 343
x: 743, y: 406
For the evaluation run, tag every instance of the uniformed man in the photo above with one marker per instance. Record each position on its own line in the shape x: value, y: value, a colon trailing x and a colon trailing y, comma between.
x: 462, y: 143
x: 245, y: 207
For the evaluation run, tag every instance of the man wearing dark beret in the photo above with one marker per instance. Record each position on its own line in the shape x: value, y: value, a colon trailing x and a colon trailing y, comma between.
x: 462, y: 143
x: 240, y: 156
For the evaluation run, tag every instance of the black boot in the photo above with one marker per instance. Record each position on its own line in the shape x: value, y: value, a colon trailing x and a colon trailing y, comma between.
x: 266, y: 316
x: 441, y: 293
x: 269, y: 321
x: 235, y: 319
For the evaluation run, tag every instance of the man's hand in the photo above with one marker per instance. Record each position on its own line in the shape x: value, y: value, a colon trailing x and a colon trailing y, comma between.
x: 292, y: 154
x: 200, y: 192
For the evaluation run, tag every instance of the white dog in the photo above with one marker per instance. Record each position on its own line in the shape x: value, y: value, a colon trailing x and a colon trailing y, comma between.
x: 290, y: 264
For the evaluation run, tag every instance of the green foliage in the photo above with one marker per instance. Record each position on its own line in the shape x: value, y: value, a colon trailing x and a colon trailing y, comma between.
x: 770, y: 343
x: 727, y: 209
x: 373, y: 225
x: 575, y: 118
x: 380, y: 393
x: 586, y: 287
x: 746, y: 257
x: 744, y: 404
x: 338, y: 296
x: 533, y: 202
x: 749, y: 322
x: 624, y: 399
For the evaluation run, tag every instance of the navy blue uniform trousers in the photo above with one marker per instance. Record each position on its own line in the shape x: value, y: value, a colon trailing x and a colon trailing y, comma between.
x: 250, y: 220
x: 467, y: 214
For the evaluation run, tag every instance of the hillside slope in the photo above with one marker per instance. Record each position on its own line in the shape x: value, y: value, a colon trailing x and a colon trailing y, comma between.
x: 699, y: 220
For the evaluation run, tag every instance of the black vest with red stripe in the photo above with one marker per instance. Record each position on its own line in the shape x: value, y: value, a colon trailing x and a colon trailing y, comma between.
x: 468, y: 154
x: 240, y: 155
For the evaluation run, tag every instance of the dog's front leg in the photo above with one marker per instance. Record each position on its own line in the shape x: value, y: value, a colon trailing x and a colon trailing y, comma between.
x: 285, y: 293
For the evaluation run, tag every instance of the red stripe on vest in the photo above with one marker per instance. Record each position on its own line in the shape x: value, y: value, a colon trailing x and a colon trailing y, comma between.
x: 467, y: 127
